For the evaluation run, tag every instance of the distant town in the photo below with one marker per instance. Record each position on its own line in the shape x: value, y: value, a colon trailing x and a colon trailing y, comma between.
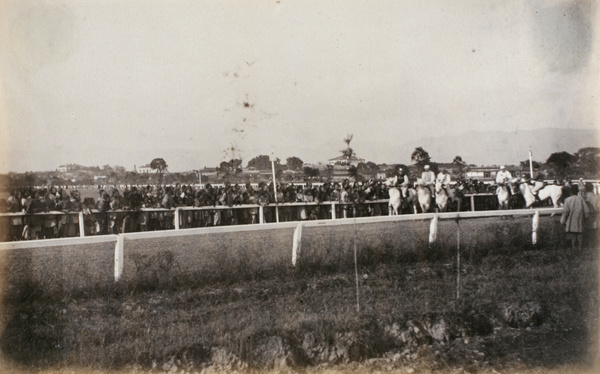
x: 559, y: 166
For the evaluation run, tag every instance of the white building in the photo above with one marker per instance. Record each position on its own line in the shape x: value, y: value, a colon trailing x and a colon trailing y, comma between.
x: 64, y: 168
x: 146, y: 169
x: 345, y: 161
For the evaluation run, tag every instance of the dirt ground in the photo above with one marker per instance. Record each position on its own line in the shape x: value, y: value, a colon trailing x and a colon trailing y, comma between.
x: 518, y: 311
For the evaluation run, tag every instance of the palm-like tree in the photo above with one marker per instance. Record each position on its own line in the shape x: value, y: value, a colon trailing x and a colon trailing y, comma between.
x: 348, y: 152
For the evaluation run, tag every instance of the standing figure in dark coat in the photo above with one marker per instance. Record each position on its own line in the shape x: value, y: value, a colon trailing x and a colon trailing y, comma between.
x: 574, y: 212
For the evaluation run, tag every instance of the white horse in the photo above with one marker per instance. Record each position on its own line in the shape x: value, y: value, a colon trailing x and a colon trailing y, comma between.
x: 503, y: 196
x: 423, y: 196
x: 441, y: 197
x: 395, y: 197
x: 445, y: 196
x: 411, y: 199
x: 527, y: 194
x: 553, y: 192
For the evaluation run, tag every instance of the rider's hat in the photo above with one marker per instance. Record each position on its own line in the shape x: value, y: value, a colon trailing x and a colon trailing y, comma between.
x: 426, y: 167
x: 502, y: 167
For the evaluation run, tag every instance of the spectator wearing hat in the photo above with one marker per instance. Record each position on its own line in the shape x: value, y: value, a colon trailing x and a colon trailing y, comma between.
x: 103, y: 205
x: 428, y: 179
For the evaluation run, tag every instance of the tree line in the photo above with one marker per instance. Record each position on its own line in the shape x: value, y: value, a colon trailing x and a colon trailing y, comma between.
x: 584, y: 163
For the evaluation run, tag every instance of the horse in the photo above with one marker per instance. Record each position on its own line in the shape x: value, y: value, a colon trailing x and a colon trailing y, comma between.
x: 411, y: 199
x: 502, y: 195
x: 527, y: 194
x: 441, y: 197
x: 449, y: 195
x: 395, y: 200
x: 553, y: 192
x: 516, y: 200
x: 423, y: 196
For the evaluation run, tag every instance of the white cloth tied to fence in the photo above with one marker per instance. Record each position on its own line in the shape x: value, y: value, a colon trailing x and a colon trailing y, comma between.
x: 297, y: 243
x: 433, y: 229
x: 119, y: 257
x: 534, y: 227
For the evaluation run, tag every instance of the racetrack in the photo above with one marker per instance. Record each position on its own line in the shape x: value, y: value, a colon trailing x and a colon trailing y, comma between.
x: 193, y: 258
x: 518, y: 304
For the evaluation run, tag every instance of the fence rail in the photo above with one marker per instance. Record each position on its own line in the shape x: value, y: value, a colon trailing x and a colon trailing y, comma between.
x: 78, y: 223
x: 120, y: 239
x: 280, y: 225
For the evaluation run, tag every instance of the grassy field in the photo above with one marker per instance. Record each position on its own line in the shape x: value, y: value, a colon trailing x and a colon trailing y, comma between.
x: 234, y: 302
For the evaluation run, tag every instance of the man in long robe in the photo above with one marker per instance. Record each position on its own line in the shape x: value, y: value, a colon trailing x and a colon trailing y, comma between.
x: 575, y: 210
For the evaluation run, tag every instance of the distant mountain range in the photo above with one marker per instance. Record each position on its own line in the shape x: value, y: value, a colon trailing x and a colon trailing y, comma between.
x: 498, y: 147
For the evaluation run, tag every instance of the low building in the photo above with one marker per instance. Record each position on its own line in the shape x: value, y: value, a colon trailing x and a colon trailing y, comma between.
x: 488, y: 173
x: 65, y: 168
x: 345, y: 161
x: 146, y: 169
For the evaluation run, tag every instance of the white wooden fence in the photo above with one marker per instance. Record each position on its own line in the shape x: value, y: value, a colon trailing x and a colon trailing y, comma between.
x: 333, y: 207
x: 294, y: 242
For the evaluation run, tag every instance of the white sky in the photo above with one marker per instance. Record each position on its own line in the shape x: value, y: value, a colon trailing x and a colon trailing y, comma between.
x: 123, y: 82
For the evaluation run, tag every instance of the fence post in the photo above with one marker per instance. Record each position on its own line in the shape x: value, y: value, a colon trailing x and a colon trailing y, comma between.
x: 176, y: 219
x: 261, y: 214
x: 534, y: 227
x: 297, y: 244
x: 457, y: 260
x: 119, y: 258
x: 433, y: 229
x: 333, y: 210
x: 81, y: 225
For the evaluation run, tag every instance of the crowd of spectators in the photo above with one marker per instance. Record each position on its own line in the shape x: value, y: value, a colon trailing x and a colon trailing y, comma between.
x: 147, y: 208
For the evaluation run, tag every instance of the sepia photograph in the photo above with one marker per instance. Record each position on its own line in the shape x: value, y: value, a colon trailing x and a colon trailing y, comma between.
x: 299, y: 186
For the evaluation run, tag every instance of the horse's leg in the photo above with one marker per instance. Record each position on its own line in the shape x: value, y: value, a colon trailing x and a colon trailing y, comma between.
x: 555, y: 203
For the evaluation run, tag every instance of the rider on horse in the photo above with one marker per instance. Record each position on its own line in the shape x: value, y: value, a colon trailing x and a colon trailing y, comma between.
x: 444, y: 179
x: 428, y: 178
x: 537, y: 184
x: 503, y: 177
x: 402, y: 183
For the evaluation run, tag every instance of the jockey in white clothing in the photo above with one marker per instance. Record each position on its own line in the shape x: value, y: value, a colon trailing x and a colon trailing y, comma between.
x: 428, y: 178
x: 537, y: 184
x: 503, y: 176
x: 444, y: 179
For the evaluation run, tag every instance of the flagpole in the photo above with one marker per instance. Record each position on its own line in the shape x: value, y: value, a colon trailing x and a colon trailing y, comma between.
x: 530, y: 164
x: 272, y: 157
